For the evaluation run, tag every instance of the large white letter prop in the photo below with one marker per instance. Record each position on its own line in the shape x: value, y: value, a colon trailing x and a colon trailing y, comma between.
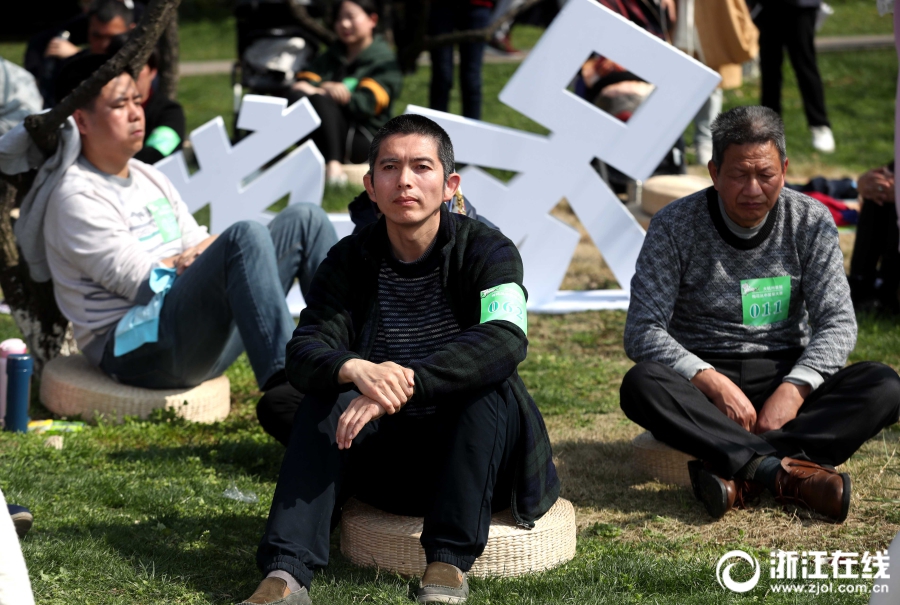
x: 558, y: 165
x: 224, y: 171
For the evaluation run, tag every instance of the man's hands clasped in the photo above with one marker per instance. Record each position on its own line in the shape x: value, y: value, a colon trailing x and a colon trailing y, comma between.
x: 385, y: 388
x: 779, y: 409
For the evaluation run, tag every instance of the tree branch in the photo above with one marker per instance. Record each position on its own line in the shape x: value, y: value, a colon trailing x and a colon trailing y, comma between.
x: 168, y: 61
x: 44, y: 128
x: 316, y: 28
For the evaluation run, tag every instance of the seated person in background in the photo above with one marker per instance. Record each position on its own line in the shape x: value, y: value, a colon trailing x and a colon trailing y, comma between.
x: 351, y: 86
x: 114, y: 225
x: 875, y: 266
x: 19, y: 96
x: 408, y: 358
x: 48, y: 50
x: 163, y: 117
x: 741, y: 322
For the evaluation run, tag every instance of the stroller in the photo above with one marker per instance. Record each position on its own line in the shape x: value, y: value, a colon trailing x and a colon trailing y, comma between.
x: 272, y: 47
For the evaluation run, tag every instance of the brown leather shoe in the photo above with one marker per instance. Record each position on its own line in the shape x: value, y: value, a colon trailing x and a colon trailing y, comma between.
x: 814, y: 487
x: 717, y: 494
x: 274, y: 591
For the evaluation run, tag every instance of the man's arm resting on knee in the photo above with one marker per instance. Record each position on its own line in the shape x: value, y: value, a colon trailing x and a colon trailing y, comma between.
x: 387, y: 384
x: 726, y: 396
x: 486, y: 353
x: 781, y: 407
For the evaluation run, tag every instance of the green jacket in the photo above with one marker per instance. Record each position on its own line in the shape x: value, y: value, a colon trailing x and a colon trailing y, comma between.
x: 374, y: 80
x: 340, y: 322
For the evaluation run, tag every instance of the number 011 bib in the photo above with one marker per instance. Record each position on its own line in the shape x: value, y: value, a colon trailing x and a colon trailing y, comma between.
x: 765, y: 300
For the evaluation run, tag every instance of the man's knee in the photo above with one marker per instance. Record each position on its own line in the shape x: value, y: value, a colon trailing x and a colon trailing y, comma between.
x: 304, y: 212
x: 247, y: 234
x: 635, y: 382
x: 884, y: 387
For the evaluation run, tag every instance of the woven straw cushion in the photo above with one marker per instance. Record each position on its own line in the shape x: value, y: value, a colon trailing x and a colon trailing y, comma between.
x: 660, y: 191
x: 372, y: 538
x: 71, y: 386
x: 663, y: 463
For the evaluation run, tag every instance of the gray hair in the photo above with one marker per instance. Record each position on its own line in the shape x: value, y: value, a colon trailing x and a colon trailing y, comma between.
x: 747, y: 124
x: 410, y: 123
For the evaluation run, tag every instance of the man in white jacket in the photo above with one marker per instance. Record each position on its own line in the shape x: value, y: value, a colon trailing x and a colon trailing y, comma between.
x: 155, y: 300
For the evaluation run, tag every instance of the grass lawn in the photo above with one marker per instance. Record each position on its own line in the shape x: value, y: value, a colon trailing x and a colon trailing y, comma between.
x: 136, y: 513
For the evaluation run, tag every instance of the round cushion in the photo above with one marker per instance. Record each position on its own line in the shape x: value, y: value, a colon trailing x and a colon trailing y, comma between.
x: 657, y: 192
x: 70, y: 385
x: 355, y: 173
x: 663, y: 463
x: 373, y: 538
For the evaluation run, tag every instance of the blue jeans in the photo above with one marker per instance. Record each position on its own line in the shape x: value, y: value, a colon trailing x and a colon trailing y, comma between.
x: 443, y: 19
x: 231, y: 296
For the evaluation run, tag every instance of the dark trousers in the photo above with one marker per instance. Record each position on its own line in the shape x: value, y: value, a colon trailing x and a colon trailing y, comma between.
x: 454, y: 467
x: 877, y: 240
x: 338, y: 137
x: 849, y: 408
x: 783, y: 26
x: 444, y: 18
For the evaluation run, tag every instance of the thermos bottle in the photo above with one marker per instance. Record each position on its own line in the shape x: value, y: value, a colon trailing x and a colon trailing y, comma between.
x: 18, y: 391
x: 10, y: 346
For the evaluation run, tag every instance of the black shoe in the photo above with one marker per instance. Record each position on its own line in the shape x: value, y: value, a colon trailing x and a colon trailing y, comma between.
x: 717, y: 494
x: 21, y: 517
x: 275, y: 411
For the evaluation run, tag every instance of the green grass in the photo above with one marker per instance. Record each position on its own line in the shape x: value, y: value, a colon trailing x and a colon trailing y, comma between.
x: 856, y: 17
x: 136, y: 513
x: 859, y: 94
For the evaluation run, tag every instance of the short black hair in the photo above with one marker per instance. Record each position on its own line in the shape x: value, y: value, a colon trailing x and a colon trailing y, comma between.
x: 107, y: 10
x: 371, y: 7
x: 747, y: 124
x: 411, y: 123
x: 75, y: 71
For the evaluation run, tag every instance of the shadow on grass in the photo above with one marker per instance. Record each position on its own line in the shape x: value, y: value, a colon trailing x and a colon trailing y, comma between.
x: 210, y: 554
x: 248, y: 456
x: 600, y: 475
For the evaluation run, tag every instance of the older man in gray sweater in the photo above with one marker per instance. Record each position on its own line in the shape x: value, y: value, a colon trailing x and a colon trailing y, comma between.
x: 741, y: 323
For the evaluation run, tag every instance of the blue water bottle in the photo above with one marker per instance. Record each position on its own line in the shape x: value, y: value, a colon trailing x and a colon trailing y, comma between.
x: 18, y: 391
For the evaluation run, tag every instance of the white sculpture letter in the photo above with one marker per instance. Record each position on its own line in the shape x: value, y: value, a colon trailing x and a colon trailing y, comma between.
x: 229, y: 178
x: 558, y: 165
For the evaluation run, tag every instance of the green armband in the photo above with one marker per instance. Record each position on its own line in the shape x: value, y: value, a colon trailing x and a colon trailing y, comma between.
x: 163, y: 139
x: 506, y: 302
x: 350, y: 83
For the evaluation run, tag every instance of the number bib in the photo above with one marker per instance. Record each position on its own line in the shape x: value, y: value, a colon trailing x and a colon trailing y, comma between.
x: 506, y: 302
x: 765, y: 300
x: 164, y: 217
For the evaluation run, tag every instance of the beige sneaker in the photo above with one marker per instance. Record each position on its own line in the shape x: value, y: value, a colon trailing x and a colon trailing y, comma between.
x: 274, y: 591
x: 443, y: 583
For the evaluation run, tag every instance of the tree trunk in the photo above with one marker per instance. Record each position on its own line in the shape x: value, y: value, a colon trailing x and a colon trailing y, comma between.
x: 46, y: 332
x: 169, y: 57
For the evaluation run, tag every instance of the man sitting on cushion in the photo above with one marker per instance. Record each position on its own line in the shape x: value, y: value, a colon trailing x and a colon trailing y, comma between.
x: 741, y: 322
x: 156, y: 301
x: 407, y: 352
